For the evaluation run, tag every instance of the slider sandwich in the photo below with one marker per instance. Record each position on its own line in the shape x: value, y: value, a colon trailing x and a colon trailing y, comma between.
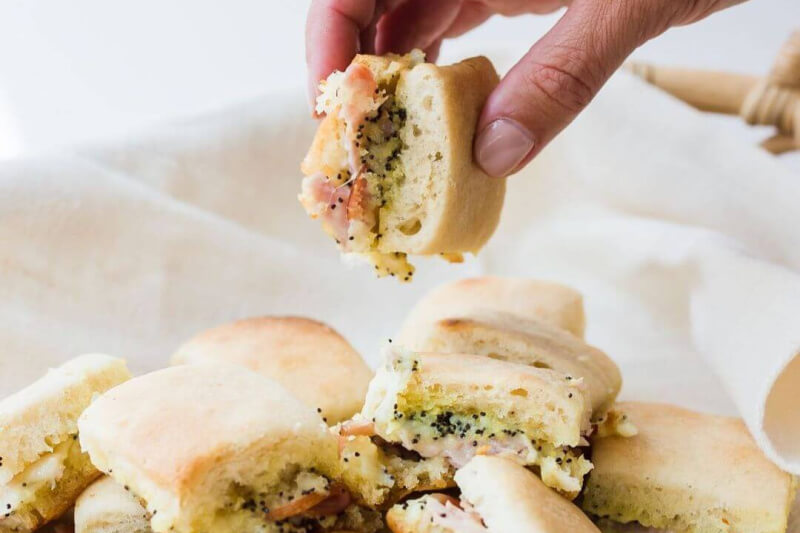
x: 42, y: 467
x: 507, y: 337
x: 390, y: 171
x: 106, y: 507
x: 686, y: 472
x: 218, y: 448
x: 497, y: 496
x: 447, y: 408
x: 553, y: 303
x: 316, y: 364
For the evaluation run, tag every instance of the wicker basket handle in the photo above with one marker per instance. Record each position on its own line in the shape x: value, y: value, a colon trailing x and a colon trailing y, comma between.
x: 773, y: 100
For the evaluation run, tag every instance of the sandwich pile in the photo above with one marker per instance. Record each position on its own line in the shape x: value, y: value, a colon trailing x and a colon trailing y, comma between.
x: 390, y: 170
x: 489, y: 414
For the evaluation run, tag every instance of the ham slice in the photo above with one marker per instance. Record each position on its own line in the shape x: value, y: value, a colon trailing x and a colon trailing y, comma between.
x: 337, y: 206
x: 316, y: 504
x: 357, y: 428
x: 335, y: 503
x: 323, y: 200
x: 358, y: 207
x: 361, y: 99
x: 297, y: 506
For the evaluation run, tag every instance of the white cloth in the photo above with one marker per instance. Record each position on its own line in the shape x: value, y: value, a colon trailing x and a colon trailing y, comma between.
x: 685, y: 242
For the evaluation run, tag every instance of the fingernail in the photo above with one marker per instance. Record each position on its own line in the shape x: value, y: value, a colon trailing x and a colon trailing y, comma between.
x: 501, y: 146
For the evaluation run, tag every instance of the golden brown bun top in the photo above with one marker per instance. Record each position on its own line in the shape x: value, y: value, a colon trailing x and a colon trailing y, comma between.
x: 171, y: 427
x: 309, y: 358
x: 509, y: 497
x: 557, y: 304
x: 706, y: 455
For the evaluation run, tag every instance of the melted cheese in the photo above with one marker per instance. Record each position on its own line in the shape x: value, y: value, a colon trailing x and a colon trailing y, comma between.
x: 46, y: 471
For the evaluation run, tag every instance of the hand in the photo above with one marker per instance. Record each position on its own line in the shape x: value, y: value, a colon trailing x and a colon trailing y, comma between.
x: 543, y: 93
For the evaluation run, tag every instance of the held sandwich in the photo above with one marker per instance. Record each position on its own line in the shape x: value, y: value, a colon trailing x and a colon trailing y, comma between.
x: 390, y: 171
x: 497, y: 496
x: 42, y: 467
x: 216, y: 447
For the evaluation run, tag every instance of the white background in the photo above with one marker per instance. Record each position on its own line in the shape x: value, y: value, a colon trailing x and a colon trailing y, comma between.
x: 87, y: 69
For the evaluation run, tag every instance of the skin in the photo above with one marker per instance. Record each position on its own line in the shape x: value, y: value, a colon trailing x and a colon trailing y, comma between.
x: 542, y: 93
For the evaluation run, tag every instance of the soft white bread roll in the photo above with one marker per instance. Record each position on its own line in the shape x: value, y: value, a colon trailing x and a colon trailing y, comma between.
x: 216, y: 447
x: 42, y: 468
x: 458, y: 405
x: 106, y: 507
x: 687, y: 471
x: 509, y: 337
x: 309, y: 358
x: 554, y: 303
x: 497, y: 496
x: 391, y: 172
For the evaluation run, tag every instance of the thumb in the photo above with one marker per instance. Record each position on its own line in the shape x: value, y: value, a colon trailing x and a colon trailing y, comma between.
x: 554, y: 81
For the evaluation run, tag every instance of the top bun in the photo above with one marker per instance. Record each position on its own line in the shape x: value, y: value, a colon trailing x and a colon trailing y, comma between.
x: 310, y: 359
x: 557, y: 304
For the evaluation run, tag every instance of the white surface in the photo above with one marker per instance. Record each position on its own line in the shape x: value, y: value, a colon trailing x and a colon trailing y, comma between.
x: 87, y: 69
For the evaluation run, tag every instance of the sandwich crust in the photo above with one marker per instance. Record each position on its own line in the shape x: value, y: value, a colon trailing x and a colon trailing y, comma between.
x: 202, y: 430
x: 687, y: 471
x: 316, y: 364
x: 554, y: 303
x: 508, y: 337
x: 456, y: 204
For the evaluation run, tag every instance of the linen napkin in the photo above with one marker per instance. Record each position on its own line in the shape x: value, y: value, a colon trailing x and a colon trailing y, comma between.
x: 684, y: 240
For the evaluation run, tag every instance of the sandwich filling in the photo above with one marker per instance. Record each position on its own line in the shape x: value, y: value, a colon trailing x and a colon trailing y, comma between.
x: 439, y: 513
x: 302, y: 501
x: 609, y: 526
x: 383, y: 473
x: 356, y: 182
x: 457, y: 432
x: 47, y: 475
